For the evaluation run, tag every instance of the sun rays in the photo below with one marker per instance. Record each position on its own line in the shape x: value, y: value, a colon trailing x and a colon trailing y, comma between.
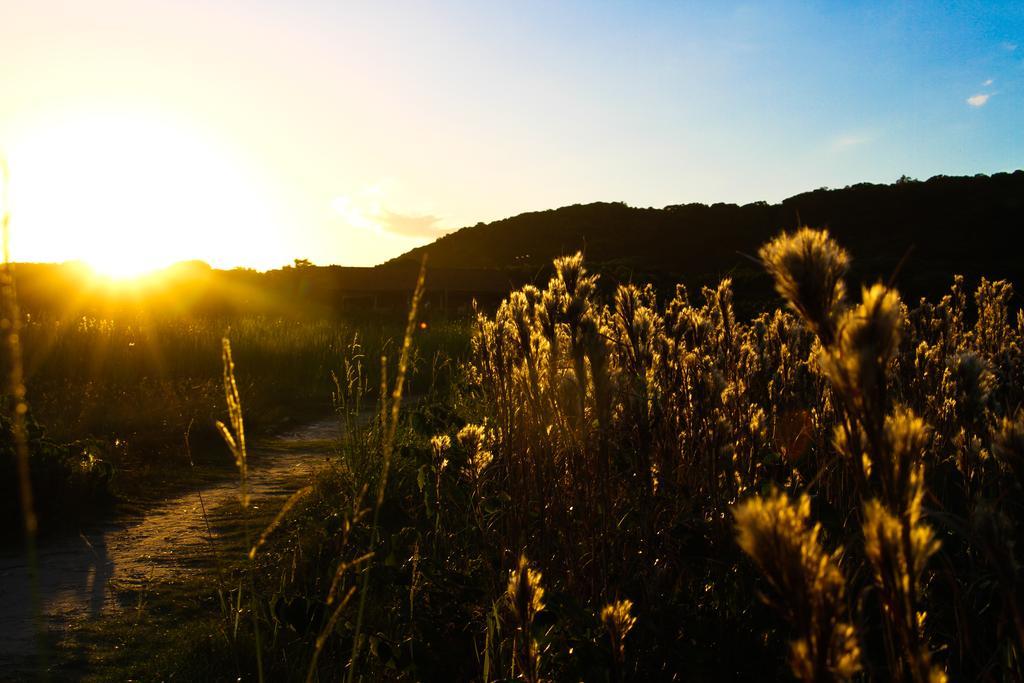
x: 129, y: 193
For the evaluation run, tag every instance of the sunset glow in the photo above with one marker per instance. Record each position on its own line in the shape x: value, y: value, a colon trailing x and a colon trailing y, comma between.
x: 127, y: 194
x: 252, y: 134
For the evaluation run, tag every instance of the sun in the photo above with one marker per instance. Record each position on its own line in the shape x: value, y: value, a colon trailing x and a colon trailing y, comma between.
x: 127, y: 194
x: 121, y: 269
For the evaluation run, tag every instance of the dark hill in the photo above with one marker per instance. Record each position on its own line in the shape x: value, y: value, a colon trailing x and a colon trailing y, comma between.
x: 922, y: 231
x: 935, y: 228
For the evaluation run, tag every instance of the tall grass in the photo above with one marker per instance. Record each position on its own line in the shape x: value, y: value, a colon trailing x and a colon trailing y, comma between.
x: 390, y: 409
x: 88, y: 375
x: 831, y: 490
x: 131, y: 387
x: 863, y: 454
x: 11, y: 325
x: 349, y: 395
x: 16, y: 428
x: 617, y: 426
x: 234, y: 437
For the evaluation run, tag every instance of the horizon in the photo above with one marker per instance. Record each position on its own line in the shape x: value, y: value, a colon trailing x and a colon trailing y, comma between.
x: 115, y: 278
x: 253, y: 135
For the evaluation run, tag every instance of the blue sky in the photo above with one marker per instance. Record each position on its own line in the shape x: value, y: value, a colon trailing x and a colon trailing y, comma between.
x: 355, y: 131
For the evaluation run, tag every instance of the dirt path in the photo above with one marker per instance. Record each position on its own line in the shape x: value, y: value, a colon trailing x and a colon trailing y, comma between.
x: 80, y: 577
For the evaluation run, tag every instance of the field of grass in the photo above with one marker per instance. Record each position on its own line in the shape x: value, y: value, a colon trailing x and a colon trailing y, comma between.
x: 112, y: 399
x: 629, y: 490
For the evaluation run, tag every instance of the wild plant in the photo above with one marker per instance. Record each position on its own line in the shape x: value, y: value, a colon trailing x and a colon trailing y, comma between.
x: 658, y: 414
x: 807, y: 584
x: 234, y: 437
x: 866, y: 456
x: 15, y: 403
x: 618, y: 620
x: 881, y: 444
x: 390, y: 411
x: 525, y: 597
x: 336, y: 601
x: 11, y: 326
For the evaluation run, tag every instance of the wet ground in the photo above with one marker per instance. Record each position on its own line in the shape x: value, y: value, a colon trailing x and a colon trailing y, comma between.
x: 84, y: 577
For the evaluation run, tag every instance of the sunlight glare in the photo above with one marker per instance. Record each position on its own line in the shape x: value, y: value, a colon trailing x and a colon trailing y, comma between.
x: 131, y: 194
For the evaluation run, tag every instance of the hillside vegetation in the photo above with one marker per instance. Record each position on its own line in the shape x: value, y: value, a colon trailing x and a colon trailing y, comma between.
x: 929, y: 225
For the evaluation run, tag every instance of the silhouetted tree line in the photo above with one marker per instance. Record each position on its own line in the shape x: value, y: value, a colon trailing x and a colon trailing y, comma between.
x: 938, y: 226
x: 914, y: 234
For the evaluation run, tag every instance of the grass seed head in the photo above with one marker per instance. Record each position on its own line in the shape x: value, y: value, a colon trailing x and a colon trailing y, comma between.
x: 868, y: 337
x: 808, y: 267
x: 617, y: 617
x: 809, y: 586
x: 525, y: 594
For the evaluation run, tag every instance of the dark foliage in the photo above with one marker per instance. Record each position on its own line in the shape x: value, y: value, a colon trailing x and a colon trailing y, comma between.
x: 70, y: 482
x: 927, y: 226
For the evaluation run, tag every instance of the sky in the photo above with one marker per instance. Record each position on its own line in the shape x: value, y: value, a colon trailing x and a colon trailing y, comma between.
x: 140, y: 132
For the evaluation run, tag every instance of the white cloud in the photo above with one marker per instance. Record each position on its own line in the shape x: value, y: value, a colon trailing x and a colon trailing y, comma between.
x: 987, y: 82
x: 366, y: 210
x: 410, y: 225
x: 850, y: 140
x: 979, y: 100
x: 1009, y: 47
